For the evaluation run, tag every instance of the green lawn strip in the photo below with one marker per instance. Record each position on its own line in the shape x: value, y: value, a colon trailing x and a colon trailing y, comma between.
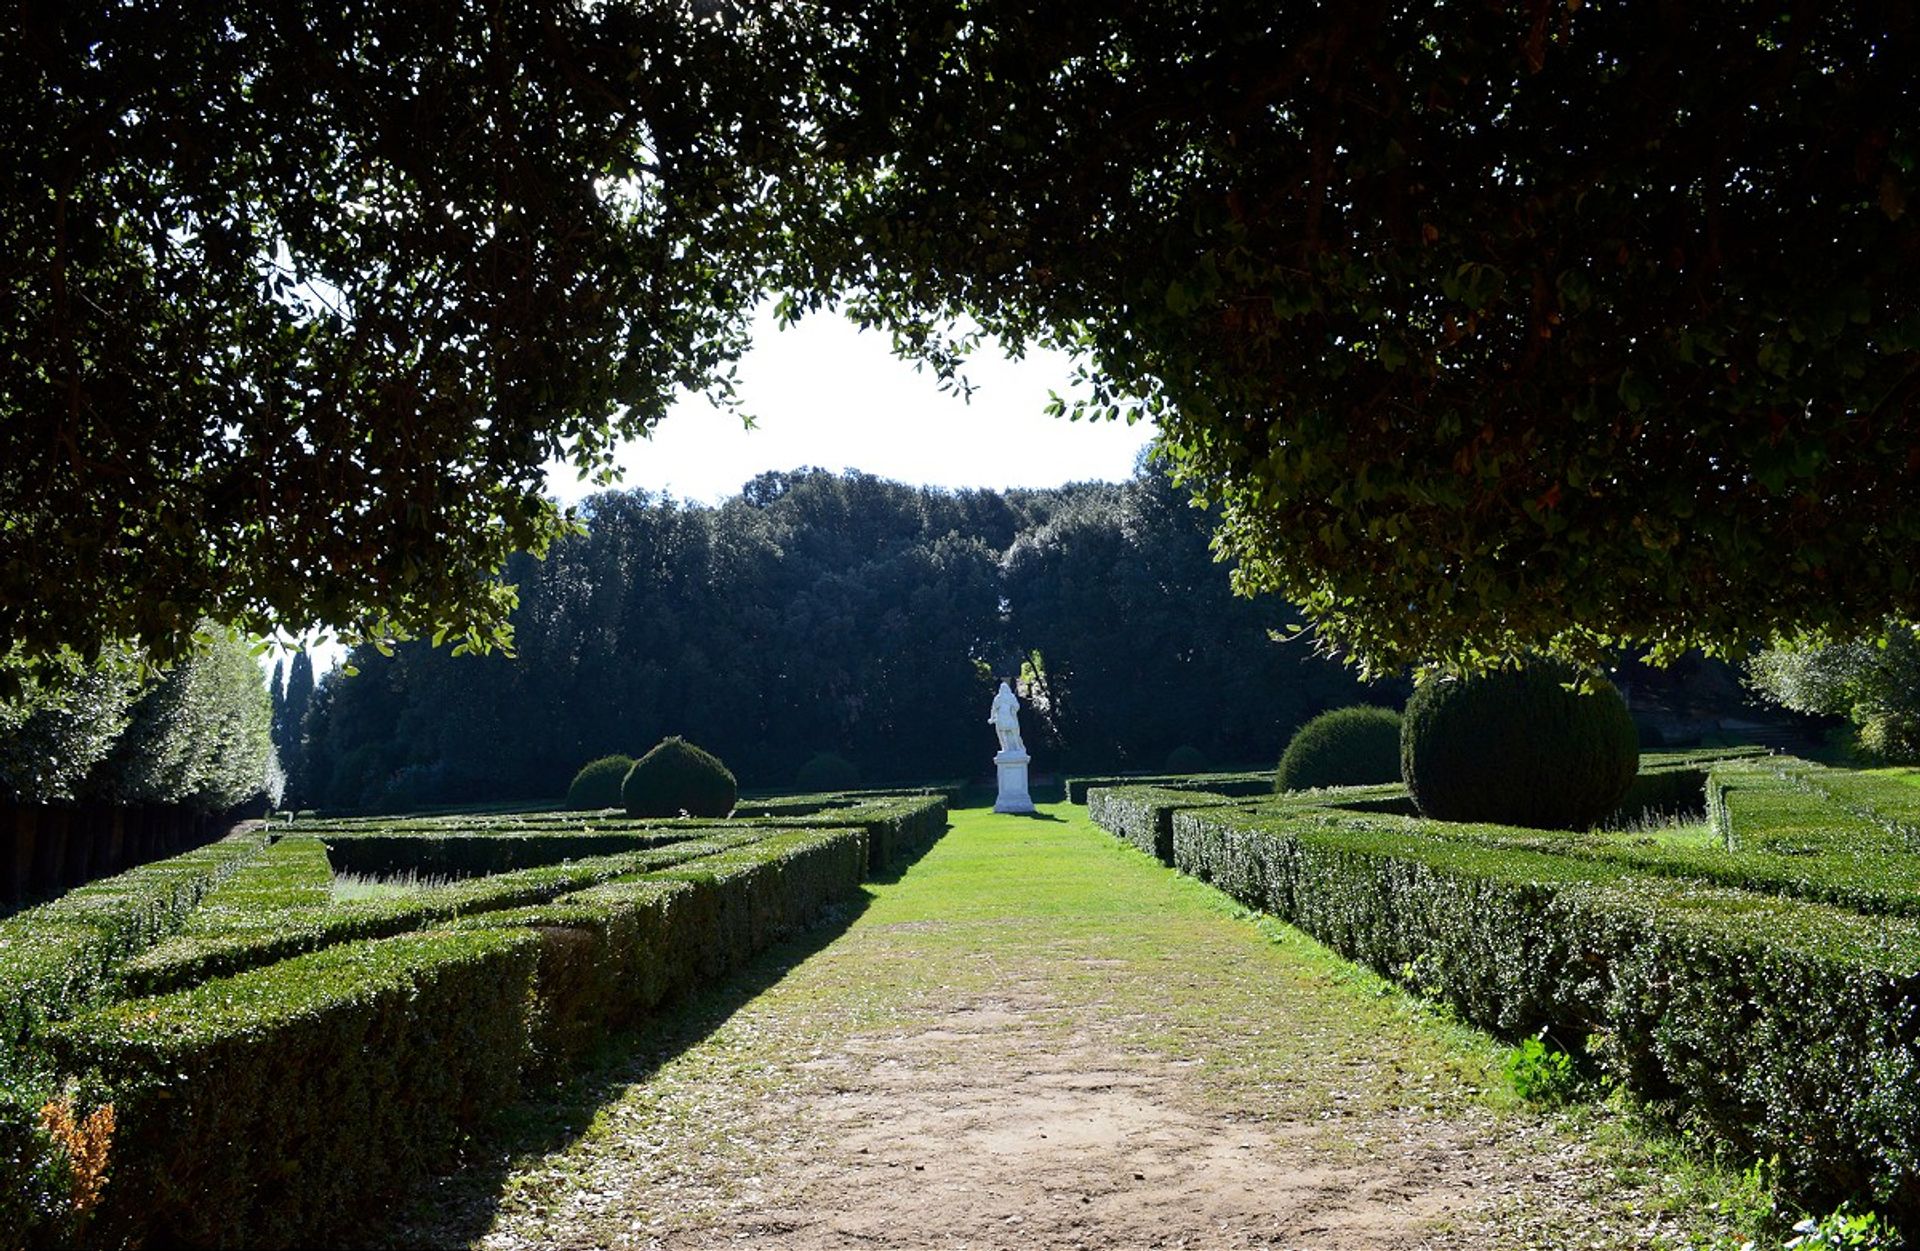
x: 1272, y: 1025
x: 1786, y: 1026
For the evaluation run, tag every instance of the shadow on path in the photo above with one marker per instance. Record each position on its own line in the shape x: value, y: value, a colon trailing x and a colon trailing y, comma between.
x: 458, y: 1208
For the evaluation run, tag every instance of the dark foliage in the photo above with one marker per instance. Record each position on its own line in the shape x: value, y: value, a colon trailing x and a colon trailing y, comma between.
x: 677, y: 778
x: 1485, y: 325
x: 1518, y: 747
x: 816, y: 609
x: 826, y: 771
x: 1187, y: 758
x: 1345, y: 747
x: 598, y: 783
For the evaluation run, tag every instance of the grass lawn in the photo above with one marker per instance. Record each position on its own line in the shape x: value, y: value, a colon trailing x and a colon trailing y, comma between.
x: 1038, y: 1036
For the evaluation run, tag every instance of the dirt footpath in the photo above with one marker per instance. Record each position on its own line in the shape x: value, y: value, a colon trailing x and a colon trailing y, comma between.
x: 1038, y: 1039
x: 989, y: 1131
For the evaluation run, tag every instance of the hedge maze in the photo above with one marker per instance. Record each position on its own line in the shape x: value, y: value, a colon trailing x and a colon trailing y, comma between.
x: 1757, y: 975
x: 227, y: 1048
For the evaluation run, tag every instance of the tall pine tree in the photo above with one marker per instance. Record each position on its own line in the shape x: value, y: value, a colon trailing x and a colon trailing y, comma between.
x: 289, y: 721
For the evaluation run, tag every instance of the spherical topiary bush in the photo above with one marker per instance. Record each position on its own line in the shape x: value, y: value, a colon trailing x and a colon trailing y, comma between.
x: 1355, y: 746
x: 597, y: 785
x: 677, y: 777
x: 1186, y: 759
x: 1519, y: 748
x: 827, y: 771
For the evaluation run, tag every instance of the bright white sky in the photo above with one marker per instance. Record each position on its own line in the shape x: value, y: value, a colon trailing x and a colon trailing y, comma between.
x: 824, y: 393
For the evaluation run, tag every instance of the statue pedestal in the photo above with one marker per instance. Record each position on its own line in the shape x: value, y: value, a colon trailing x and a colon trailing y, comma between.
x: 1013, y: 782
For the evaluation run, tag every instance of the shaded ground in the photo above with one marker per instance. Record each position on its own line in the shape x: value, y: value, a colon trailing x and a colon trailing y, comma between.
x: 1038, y: 1037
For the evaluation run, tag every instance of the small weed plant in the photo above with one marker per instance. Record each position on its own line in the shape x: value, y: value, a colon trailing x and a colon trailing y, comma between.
x: 1843, y: 1228
x: 1542, y: 1074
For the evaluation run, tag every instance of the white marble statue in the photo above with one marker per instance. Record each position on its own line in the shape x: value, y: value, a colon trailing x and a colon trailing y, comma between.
x: 1011, y: 763
x: 1005, y: 719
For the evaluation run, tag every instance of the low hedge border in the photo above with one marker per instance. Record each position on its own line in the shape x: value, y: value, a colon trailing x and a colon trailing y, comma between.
x: 57, y: 956
x: 1789, y: 1027
x: 895, y: 825
x: 597, y: 945
x: 607, y: 957
x: 273, y: 1107
x: 1891, y: 804
x: 268, y: 1107
x: 1232, y: 785
x: 896, y: 821
x: 473, y: 853
x: 744, y: 899
x: 1143, y: 815
x: 264, y: 919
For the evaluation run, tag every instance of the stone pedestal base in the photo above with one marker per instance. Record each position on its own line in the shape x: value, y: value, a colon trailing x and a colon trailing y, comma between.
x: 1013, y: 782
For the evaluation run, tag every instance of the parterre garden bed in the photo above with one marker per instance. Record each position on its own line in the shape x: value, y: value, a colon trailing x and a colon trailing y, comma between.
x: 249, y: 1043
x: 1757, y: 974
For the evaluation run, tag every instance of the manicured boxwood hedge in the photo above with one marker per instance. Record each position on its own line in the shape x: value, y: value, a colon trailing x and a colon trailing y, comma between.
x: 1519, y: 746
x: 1356, y: 746
x: 272, y: 1108
x: 608, y: 956
x: 57, y: 956
x: 1788, y: 1027
x: 1143, y: 815
x: 897, y: 826
x: 598, y: 783
x: 282, y: 907
x: 679, y: 777
x: 456, y: 851
x: 1763, y: 978
x: 397, y: 1043
x: 1233, y: 785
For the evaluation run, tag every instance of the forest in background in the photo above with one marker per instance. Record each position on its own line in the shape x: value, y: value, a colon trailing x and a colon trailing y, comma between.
x: 821, y: 612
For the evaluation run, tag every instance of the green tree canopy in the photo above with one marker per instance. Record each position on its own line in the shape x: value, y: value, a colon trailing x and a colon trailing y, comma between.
x: 1875, y: 685
x: 1486, y: 325
x: 302, y: 297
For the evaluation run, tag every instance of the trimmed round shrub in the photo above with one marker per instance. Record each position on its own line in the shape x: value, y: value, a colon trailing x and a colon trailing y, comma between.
x: 1357, y: 746
x: 677, y: 777
x: 827, y: 771
x: 597, y: 785
x: 1186, y: 759
x: 1518, y: 748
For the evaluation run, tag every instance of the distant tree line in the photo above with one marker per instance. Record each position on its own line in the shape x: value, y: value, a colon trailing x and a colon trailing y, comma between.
x: 816, y: 612
x: 112, y: 731
x: 108, y: 763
